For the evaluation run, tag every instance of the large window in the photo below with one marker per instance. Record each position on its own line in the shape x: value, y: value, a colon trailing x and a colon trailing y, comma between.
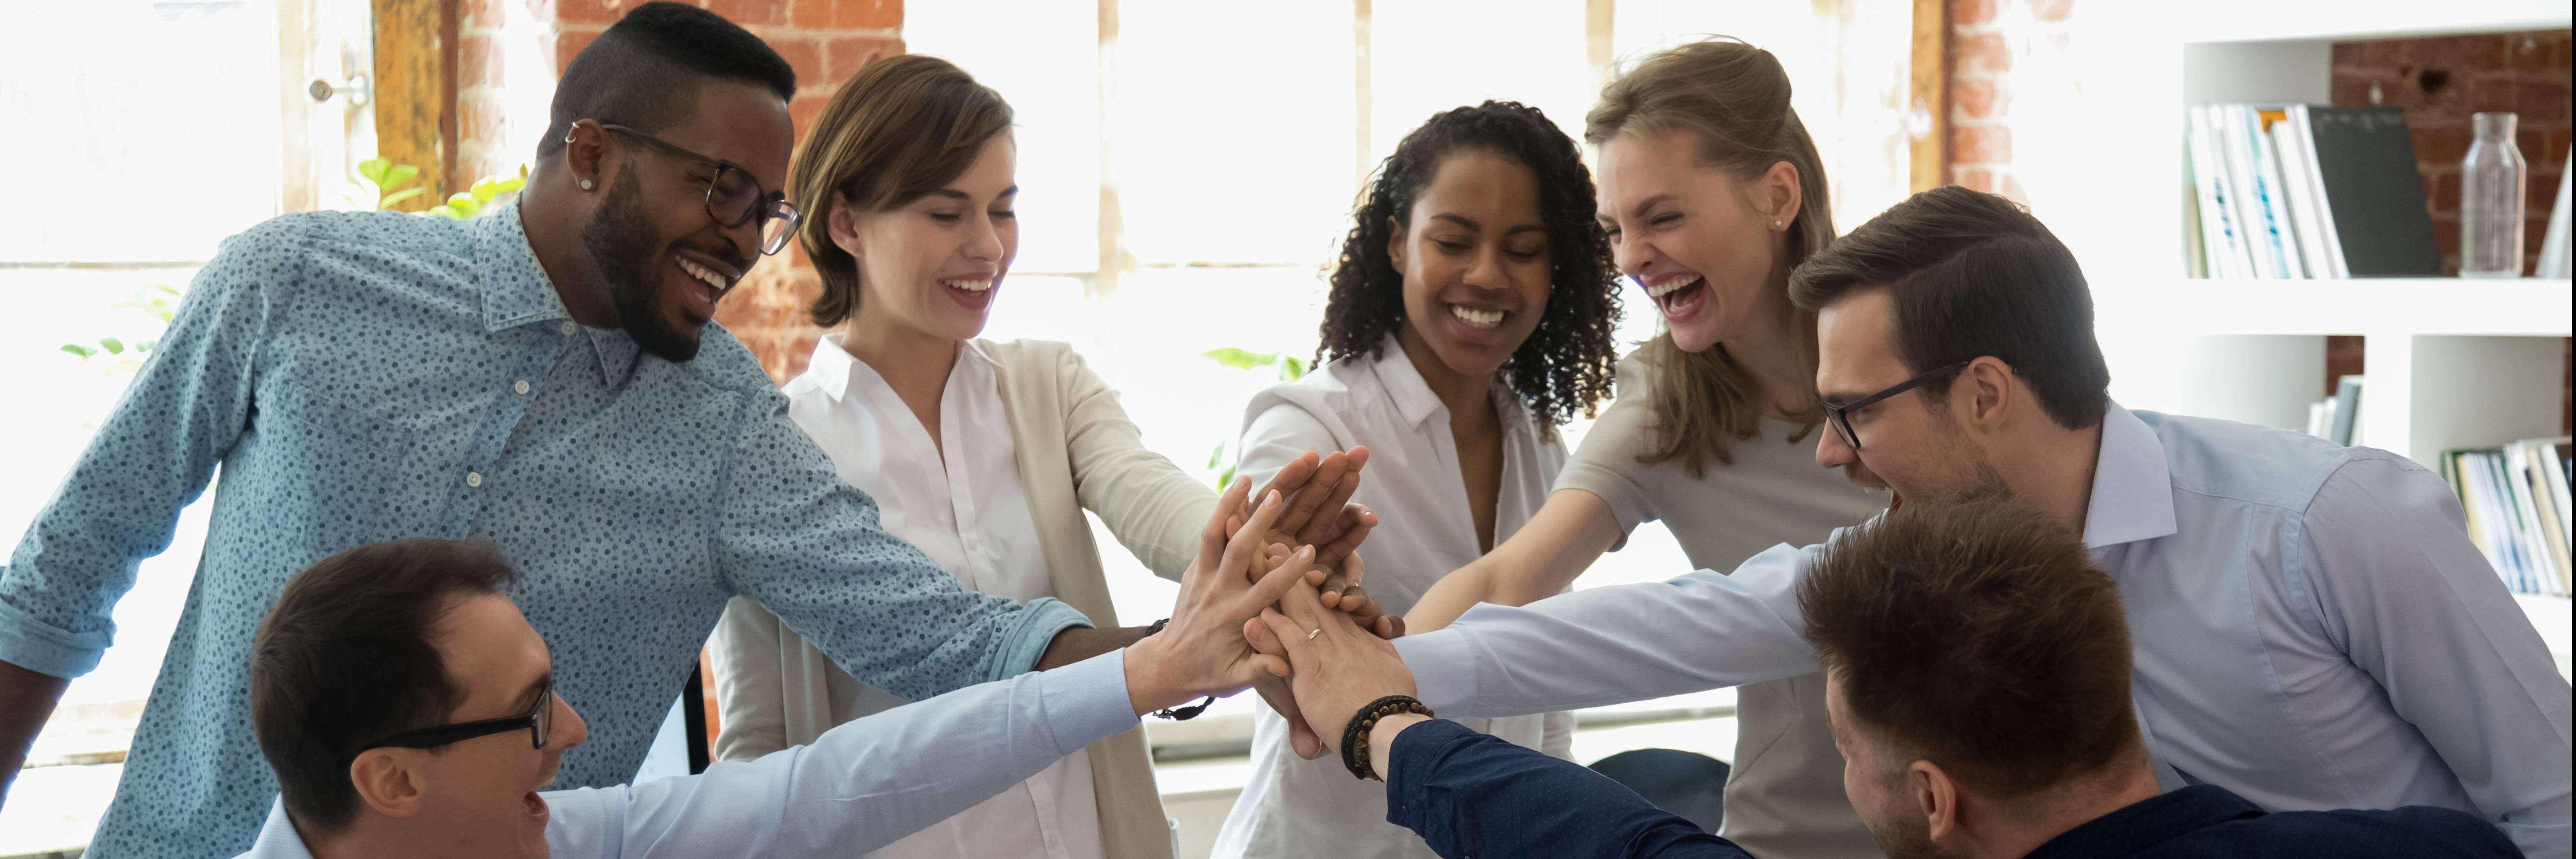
x: 1188, y: 171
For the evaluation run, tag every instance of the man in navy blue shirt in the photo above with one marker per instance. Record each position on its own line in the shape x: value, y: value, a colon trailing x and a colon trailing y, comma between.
x: 1977, y: 675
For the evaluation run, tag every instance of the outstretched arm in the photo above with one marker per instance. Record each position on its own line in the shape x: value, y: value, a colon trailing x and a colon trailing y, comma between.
x: 1561, y: 540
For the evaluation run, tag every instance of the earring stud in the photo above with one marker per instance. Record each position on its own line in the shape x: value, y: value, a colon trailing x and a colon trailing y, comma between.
x: 585, y: 184
x: 1775, y: 225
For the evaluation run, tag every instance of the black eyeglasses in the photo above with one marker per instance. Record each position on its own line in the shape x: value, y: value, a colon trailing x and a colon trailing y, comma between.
x: 1839, y: 417
x: 733, y: 197
x: 537, y: 722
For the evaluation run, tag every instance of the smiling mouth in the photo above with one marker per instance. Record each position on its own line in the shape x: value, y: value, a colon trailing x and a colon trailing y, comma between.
x: 712, y: 279
x: 1676, y: 293
x: 971, y: 284
x: 1480, y: 320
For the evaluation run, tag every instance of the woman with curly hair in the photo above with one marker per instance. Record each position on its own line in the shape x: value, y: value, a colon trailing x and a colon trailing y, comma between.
x: 1470, y: 314
x: 1711, y: 191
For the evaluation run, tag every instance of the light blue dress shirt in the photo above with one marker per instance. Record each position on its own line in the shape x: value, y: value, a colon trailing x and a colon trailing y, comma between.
x: 861, y: 786
x: 363, y: 377
x: 2313, y: 630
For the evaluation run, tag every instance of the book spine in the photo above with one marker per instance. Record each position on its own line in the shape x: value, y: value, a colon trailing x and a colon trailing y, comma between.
x: 2328, y: 240
x: 2219, y: 254
x: 2244, y: 203
x: 2301, y: 202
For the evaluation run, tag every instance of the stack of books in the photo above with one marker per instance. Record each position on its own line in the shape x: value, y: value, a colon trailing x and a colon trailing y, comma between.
x: 2518, y: 505
x: 2305, y: 191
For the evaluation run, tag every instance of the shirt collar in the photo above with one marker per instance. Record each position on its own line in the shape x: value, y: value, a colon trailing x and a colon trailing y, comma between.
x: 2149, y: 822
x: 516, y: 291
x: 1414, y: 400
x: 2132, y: 486
x: 831, y: 365
x: 277, y: 837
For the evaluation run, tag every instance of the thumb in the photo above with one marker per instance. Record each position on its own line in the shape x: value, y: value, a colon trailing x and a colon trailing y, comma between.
x: 1285, y: 634
x: 1286, y: 575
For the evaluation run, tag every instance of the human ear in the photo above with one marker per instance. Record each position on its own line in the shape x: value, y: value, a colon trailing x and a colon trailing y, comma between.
x: 386, y: 783
x: 585, y: 154
x: 843, y: 226
x: 1936, y: 797
x: 1395, y: 234
x: 1781, y: 195
x: 1990, y: 393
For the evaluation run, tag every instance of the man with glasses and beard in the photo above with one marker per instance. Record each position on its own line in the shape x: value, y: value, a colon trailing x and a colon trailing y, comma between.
x: 2312, y: 627
x: 544, y: 378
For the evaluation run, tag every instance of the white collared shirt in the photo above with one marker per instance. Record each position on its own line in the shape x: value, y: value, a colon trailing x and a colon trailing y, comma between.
x: 863, y: 785
x: 2313, y: 630
x: 962, y: 503
x: 1296, y: 807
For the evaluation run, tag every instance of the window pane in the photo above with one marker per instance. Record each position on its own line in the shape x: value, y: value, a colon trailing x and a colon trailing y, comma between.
x: 139, y: 130
x: 1433, y: 55
x: 1232, y: 134
x: 1043, y: 64
x: 1848, y: 76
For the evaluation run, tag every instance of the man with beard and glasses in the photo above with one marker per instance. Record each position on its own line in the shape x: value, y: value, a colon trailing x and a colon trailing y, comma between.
x: 544, y: 378
x: 1977, y: 681
x: 2312, y: 628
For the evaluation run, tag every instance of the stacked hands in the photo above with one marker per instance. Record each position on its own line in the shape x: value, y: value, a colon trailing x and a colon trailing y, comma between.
x: 1276, y: 587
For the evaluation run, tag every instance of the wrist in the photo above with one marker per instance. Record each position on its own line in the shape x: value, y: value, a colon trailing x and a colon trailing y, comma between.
x: 1150, y: 686
x: 1381, y: 739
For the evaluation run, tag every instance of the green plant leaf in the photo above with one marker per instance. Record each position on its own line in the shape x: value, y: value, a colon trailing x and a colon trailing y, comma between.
x: 1291, y: 368
x: 463, y: 205
x: 484, y: 191
x: 1225, y: 479
x: 388, y: 200
x: 400, y: 173
x: 112, y: 345
x: 374, y: 171
x: 83, y: 351
x: 1214, y: 456
x: 1239, y: 359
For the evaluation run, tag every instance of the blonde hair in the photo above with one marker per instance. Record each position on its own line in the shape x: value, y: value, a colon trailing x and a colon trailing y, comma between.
x: 1735, y: 98
x: 899, y: 129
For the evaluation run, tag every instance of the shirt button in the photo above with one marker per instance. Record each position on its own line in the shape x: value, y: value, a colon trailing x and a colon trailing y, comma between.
x: 474, y: 478
x: 567, y: 327
x: 521, y: 387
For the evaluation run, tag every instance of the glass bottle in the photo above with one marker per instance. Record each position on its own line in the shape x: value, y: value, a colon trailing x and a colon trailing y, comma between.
x: 2491, y: 198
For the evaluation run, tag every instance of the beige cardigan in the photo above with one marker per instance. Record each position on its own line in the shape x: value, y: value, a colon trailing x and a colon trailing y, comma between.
x: 1077, y: 450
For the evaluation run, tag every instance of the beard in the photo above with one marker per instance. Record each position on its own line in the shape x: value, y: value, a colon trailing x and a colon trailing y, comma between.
x: 1910, y: 837
x: 621, y: 240
x: 1971, y: 477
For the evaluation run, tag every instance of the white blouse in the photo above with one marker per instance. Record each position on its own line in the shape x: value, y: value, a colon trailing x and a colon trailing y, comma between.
x: 1297, y: 807
x: 962, y: 503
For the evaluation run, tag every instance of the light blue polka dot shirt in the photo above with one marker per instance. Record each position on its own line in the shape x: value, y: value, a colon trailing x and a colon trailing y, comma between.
x: 363, y: 377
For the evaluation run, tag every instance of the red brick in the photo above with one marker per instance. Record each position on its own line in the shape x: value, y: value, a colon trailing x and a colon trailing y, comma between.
x: 803, y: 111
x: 803, y: 56
x: 1986, y: 54
x: 2383, y: 54
x: 2051, y: 11
x: 751, y: 13
x: 2484, y: 53
x: 2558, y: 146
x: 2528, y: 52
x: 1974, y: 99
x: 1977, y: 179
x: 2446, y: 238
x: 477, y: 63
x: 810, y: 14
x: 2435, y: 53
x: 2492, y: 95
x: 2011, y: 189
x: 2536, y: 99
x: 1971, y: 13
x: 482, y: 119
x: 2441, y: 145
x: 2445, y: 194
x: 589, y: 11
x: 867, y: 14
x: 1980, y: 144
x: 2350, y: 91
x: 479, y: 14
x: 568, y: 44
x: 843, y: 57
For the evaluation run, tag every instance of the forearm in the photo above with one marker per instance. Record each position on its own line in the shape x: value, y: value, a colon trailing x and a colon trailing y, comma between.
x: 1076, y: 644
x: 1567, y: 534
x: 1470, y: 794
x: 26, y: 700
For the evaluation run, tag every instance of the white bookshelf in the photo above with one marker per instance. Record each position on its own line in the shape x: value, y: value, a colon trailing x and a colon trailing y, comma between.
x: 2449, y: 362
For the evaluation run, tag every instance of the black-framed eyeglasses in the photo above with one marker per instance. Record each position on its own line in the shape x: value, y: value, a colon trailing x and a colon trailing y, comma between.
x: 733, y: 197
x: 538, y: 723
x: 1839, y: 417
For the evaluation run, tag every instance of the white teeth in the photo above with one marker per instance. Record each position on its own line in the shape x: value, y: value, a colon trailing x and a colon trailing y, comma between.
x: 1477, y: 318
x: 702, y: 273
x: 1671, y: 286
x: 968, y: 285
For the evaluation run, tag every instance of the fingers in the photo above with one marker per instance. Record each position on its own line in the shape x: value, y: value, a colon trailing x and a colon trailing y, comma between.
x: 1290, y: 637
x: 1363, y: 611
x: 1300, y: 605
x: 1221, y: 526
x: 1279, y: 580
x: 1309, y: 497
x: 1257, y: 633
x: 1247, y: 542
x: 1390, y: 627
x: 1325, y: 520
x: 1354, y: 526
x: 1293, y: 476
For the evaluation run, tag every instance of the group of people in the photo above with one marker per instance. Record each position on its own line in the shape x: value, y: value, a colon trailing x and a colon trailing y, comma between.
x: 476, y: 474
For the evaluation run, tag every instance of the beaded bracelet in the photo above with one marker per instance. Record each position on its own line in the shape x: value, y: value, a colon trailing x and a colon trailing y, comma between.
x: 1355, y: 751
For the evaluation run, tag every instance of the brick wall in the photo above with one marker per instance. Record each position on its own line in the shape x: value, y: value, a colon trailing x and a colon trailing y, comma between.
x: 2440, y: 82
x: 1985, y: 36
x: 510, y: 49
